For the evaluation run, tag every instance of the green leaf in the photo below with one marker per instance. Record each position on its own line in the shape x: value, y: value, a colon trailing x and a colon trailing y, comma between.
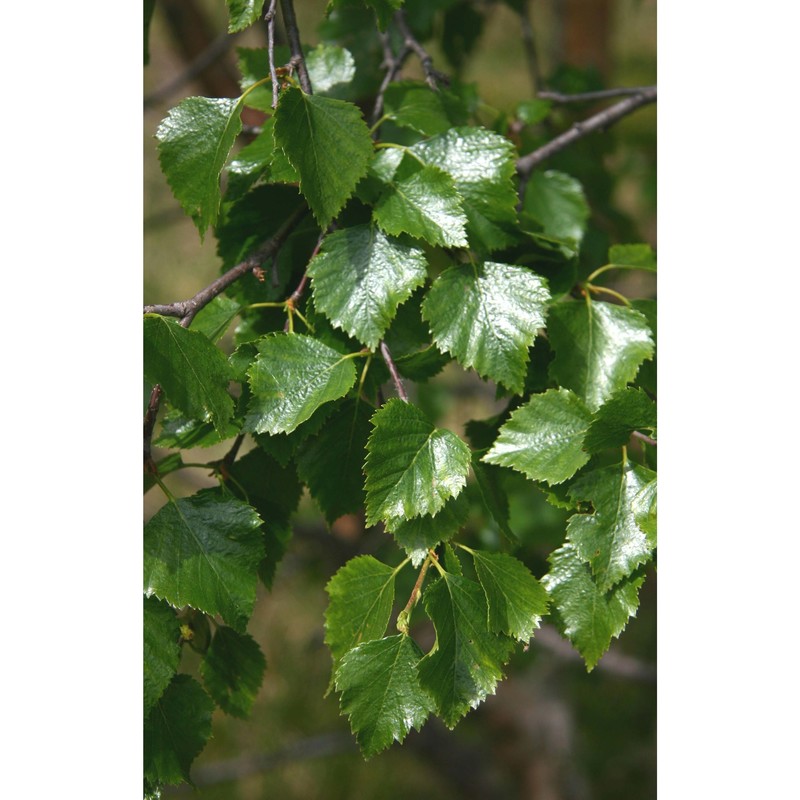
x: 466, y: 661
x: 589, y: 617
x: 380, y: 692
x: 384, y: 9
x: 544, y: 438
x: 516, y: 600
x: 609, y: 539
x: 203, y: 551
x: 532, y: 112
x: 483, y: 165
x: 253, y: 64
x: 493, y: 495
x: 180, y: 432
x: 645, y: 510
x: 614, y: 422
x: 193, y: 373
x: 412, y: 467
x: 328, y: 143
x: 176, y: 731
x: 416, y: 536
x: 164, y: 466
x: 423, y: 202
x: 599, y: 348
x: 361, y: 596
x: 243, y: 13
x: 215, y: 318
x: 162, y: 651
x: 328, y: 67
x: 413, y: 104
x: 487, y: 316
x: 558, y: 203
x: 292, y: 377
x: 632, y: 256
x: 330, y: 462
x: 232, y: 670
x: 194, y: 141
x: 361, y: 276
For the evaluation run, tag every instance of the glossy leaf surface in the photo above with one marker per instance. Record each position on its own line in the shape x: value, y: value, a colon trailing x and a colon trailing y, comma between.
x: 557, y: 201
x: 162, y: 651
x: 361, y: 276
x: 202, y: 551
x: 487, y: 315
x: 361, y: 595
x: 610, y: 539
x: 194, y: 141
x: 380, y: 692
x: 292, y: 377
x: 544, y: 438
x: 412, y: 467
x: 328, y: 143
x: 192, y: 372
x: 232, y: 670
x: 599, y: 348
x: 329, y: 66
x: 590, y: 618
x: 516, y: 600
x: 243, y: 13
x: 466, y: 662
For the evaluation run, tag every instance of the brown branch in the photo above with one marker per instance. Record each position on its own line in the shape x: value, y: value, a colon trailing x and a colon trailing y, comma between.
x: 398, y: 382
x: 392, y: 64
x: 149, y: 424
x: 642, y: 437
x: 186, y: 309
x: 293, y: 37
x: 590, y: 97
x: 603, y: 119
x: 432, y: 76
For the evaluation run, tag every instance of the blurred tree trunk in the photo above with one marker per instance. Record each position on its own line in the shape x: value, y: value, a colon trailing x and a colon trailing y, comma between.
x: 586, y: 33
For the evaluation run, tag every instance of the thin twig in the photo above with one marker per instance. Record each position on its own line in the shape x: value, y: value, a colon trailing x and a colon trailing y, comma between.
x: 293, y: 37
x: 603, y: 119
x: 643, y: 437
x: 398, y: 382
x: 269, y: 18
x: 218, y: 48
x: 590, y: 97
x: 432, y: 76
x: 186, y: 309
x: 149, y: 424
x: 529, y: 45
x: 404, y: 616
x: 294, y: 297
x: 392, y: 64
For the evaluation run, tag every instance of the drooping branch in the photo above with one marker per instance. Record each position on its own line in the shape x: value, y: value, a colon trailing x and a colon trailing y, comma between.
x: 600, y: 121
x: 590, y: 97
x: 398, y: 381
x: 293, y: 37
x: 392, y: 64
x: 432, y: 76
x: 187, y: 309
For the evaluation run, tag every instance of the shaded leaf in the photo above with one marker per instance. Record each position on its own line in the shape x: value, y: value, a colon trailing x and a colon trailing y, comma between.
x: 609, y: 539
x: 413, y: 104
x: 466, y: 661
x: 645, y: 510
x: 589, y: 617
x: 176, y: 731
x: 194, y: 141
x: 632, y: 256
x: 179, y: 431
x: 361, y: 595
x: 162, y: 651
x: 412, y: 467
x: 232, y: 670
x: 625, y: 412
x: 516, y: 600
x: 487, y: 316
x: 557, y: 202
x: 599, y: 348
x: 380, y: 692
x: 544, y: 438
x: 330, y: 462
x: 493, y: 495
x: 328, y: 143
x: 215, y: 318
x: 361, y: 276
x: 291, y: 378
x: 202, y: 551
x: 193, y: 373
x: 329, y: 66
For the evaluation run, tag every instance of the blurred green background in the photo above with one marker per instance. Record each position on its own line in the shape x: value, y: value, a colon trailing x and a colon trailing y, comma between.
x: 551, y: 731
